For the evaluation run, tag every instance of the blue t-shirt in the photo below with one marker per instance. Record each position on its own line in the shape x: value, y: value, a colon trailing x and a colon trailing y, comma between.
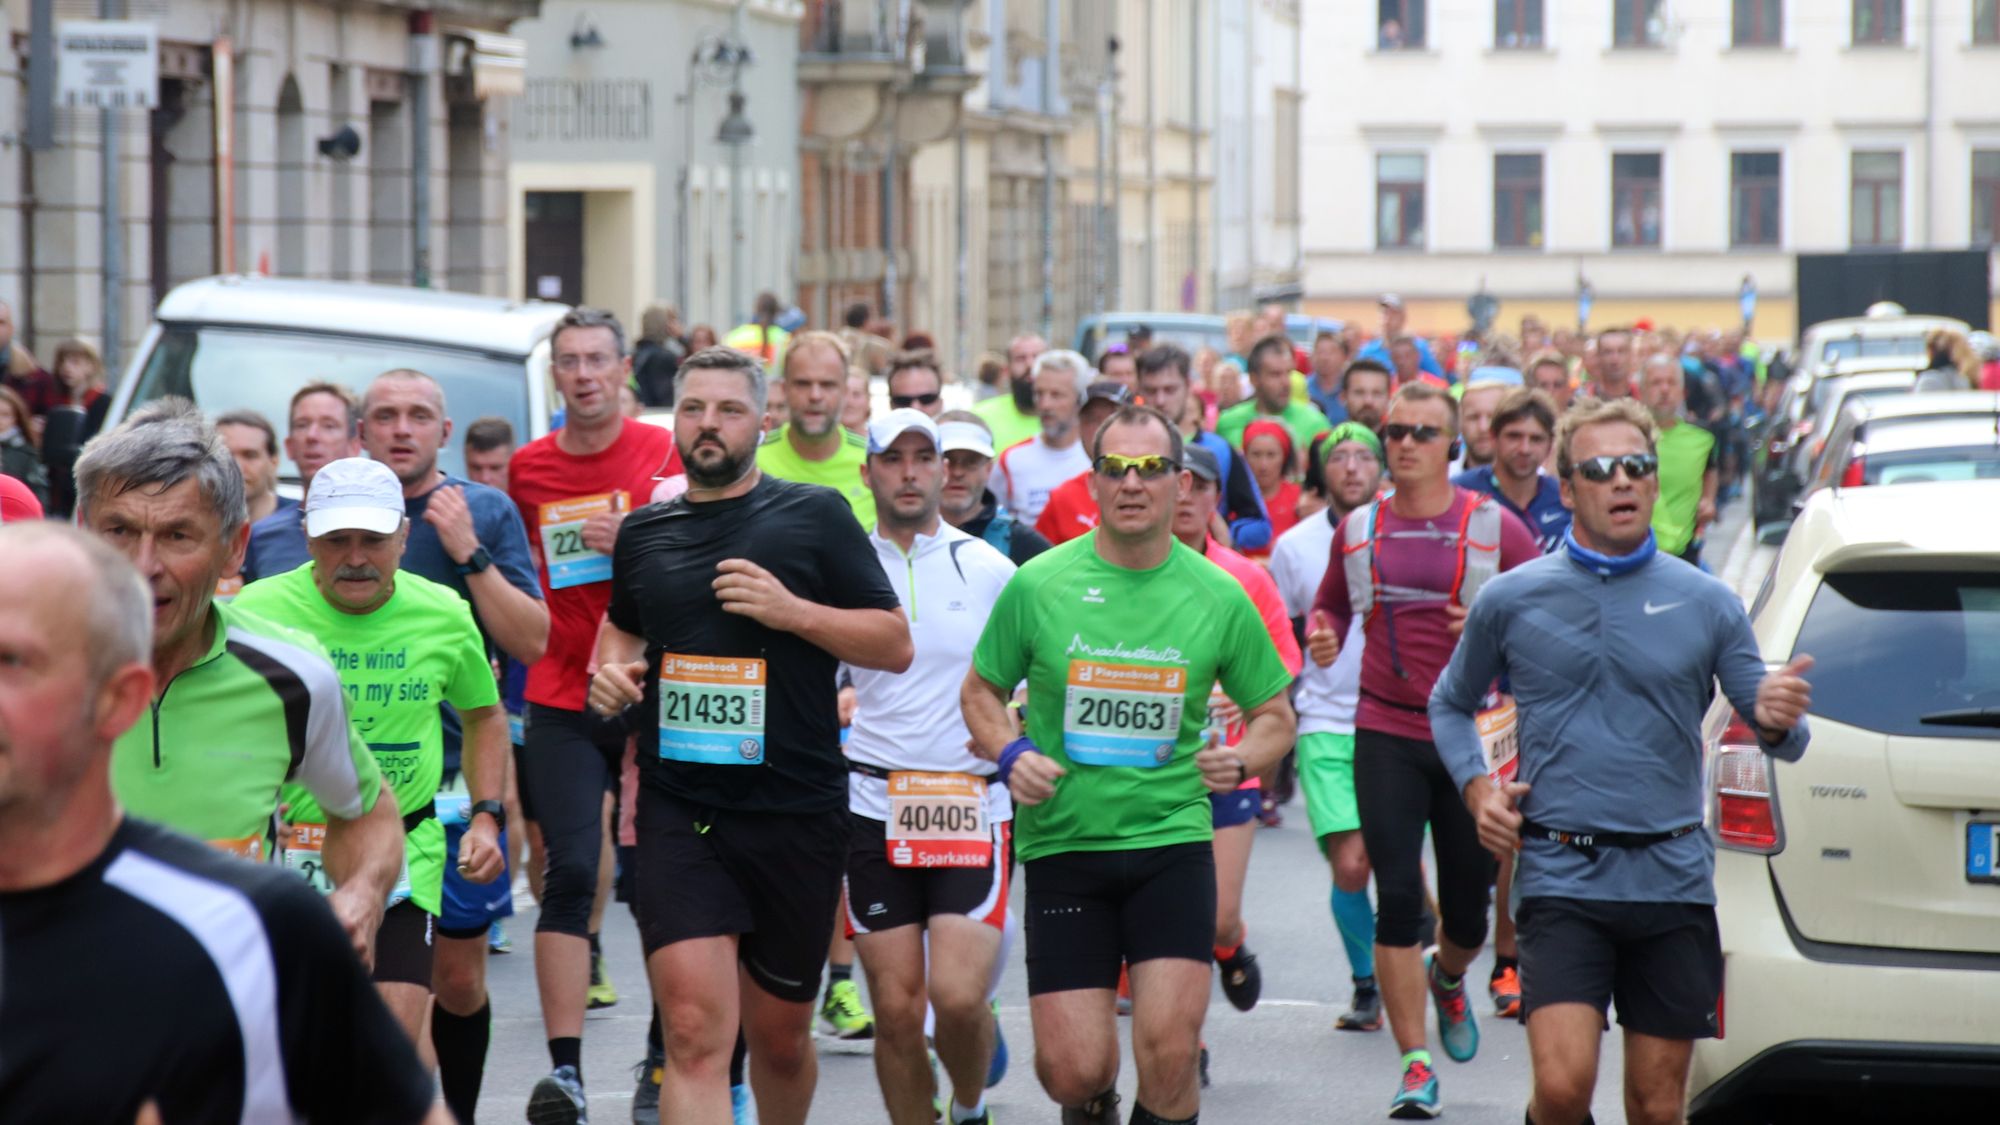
x: 1378, y: 350
x: 277, y: 543
x: 1328, y: 401
x: 1545, y: 515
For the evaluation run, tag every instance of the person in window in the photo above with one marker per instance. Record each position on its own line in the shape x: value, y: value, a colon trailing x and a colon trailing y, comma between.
x: 1391, y: 38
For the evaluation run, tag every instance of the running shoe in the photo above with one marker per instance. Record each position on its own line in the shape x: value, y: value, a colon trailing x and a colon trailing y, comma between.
x: 1364, y: 1012
x: 742, y: 1107
x: 843, y: 1012
x: 1417, y: 1099
x: 997, y: 1068
x: 1242, y: 981
x: 646, y: 1096
x: 602, y: 994
x: 1204, y: 1066
x: 1124, y: 990
x: 1457, y: 1026
x: 497, y: 939
x: 1505, y: 988
x: 558, y: 1100
x: 1268, y: 814
x: 1101, y: 1110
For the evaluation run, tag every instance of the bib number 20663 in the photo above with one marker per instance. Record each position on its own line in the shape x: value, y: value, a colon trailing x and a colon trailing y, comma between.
x: 712, y: 709
x: 1122, y: 714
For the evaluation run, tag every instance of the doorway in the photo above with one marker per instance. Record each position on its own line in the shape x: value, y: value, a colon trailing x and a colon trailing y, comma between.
x: 554, y: 246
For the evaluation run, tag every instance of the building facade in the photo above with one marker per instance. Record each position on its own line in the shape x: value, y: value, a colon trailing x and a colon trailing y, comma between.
x: 303, y: 139
x: 1659, y: 152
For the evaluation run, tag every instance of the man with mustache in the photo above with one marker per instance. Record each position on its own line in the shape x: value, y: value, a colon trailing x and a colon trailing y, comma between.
x: 731, y: 609
x: 402, y: 645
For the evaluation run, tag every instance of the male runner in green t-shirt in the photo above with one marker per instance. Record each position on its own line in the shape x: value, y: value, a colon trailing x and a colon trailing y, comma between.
x: 401, y: 644
x: 813, y: 447
x: 1120, y: 633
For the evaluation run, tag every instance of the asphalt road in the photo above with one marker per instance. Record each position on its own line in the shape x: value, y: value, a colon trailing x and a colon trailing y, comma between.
x: 1282, y: 1062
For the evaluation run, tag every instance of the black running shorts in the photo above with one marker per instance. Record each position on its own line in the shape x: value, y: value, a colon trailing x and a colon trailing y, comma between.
x: 1089, y: 911
x: 403, y: 946
x: 1660, y: 962
x: 881, y: 896
x: 772, y: 879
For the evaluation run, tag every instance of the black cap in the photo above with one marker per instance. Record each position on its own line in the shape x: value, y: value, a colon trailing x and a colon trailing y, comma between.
x: 1108, y: 390
x: 1201, y: 462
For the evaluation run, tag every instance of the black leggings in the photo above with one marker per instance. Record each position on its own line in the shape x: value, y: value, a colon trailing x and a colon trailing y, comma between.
x: 566, y: 764
x: 1401, y: 785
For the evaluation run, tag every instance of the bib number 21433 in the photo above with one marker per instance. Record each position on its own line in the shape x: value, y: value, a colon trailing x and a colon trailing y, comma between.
x: 712, y: 709
x: 1122, y: 714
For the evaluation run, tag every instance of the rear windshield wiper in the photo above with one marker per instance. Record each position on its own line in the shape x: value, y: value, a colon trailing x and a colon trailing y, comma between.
x: 1964, y: 717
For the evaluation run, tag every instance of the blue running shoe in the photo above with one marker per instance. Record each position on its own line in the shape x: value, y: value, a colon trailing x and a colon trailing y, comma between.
x: 558, y: 1100
x: 1457, y: 1026
x: 742, y: 1107
x: 1417, y: 1100
x: 497, y: 940
x: 997, y: 1069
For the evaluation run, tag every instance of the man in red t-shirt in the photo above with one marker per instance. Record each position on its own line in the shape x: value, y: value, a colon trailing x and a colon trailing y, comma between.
x: 574, y: 488
x: 1072, y: 507
x: 1416, y: 583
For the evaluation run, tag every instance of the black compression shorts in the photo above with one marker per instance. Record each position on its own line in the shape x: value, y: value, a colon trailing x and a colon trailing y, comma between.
x: 403, y: 946
x: 881, y: 896
x: 1089, y: 911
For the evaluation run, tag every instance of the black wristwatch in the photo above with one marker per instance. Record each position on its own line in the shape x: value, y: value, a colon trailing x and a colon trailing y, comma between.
x: 479, y: 561
x: 494, y: 809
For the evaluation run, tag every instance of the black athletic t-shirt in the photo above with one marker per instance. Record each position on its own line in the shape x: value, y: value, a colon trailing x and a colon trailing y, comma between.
x: 662, y: 572
x: 218, y: 989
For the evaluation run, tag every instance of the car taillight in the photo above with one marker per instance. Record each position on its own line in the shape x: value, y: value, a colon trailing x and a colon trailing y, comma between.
x: 1856, y: 473
x: 1746, y: 805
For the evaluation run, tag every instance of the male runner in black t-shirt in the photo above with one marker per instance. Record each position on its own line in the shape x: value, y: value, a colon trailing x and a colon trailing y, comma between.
x: 733, y: 606
x: 230, y: 992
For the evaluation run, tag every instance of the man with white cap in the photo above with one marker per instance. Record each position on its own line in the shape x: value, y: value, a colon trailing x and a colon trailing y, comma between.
x: 928, y: 855
x: 967, y: 503
x: 401, y: 644
x: 1394, y: 316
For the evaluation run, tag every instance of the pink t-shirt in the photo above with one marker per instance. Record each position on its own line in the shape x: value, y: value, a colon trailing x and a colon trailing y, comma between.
x: 1416, y: 562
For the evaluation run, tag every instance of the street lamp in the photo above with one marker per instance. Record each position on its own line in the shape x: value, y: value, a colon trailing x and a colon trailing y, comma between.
x: 735, y: 132
x: 716, y: 60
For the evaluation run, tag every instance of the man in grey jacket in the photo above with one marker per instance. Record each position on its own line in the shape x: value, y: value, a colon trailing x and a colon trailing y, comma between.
x: 1613, y: 651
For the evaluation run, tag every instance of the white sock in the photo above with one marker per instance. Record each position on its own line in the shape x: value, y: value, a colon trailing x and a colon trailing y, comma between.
x: 960, y: 1114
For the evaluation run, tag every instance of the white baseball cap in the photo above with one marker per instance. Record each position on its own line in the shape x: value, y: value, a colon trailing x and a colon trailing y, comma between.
x: 883, y: 431
x: 354, y: 493
x: 967, y: 436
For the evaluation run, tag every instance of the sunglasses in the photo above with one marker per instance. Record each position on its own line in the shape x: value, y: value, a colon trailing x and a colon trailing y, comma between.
x: 902, y: 401
x: 1397, y: 431
x: 1152, y: 466
x: 1637, y: 466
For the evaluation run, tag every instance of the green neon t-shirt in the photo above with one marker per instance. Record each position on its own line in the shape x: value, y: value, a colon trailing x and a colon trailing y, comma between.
x: 1686, y: 452
x: 1009, y: 425
x: 1119, y: 664
x: 417, y: 650
x: 1302, y: 418
x: 840, y: 472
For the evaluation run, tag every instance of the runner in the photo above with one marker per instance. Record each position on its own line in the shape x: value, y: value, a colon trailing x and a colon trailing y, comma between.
x: 1616, y: 877
x: 1131, y: 631
x: 1072, y: 507
x: 1031, y: 469
x: 1233, y: 814
x: 914, y: 381
x: 229, y: 688
x: 403, y: 645
x: 1409, y: 566
x: 322, y: 424
x: 574, y: 488
x: 232, y: 995
x: 967, y: 503
x: 813, y: 447
x: 927, y: 868
x: 1271, y: 397
x: 1243, y: 524
x: 734, y: 605
x: 1326, y: 698
x: 1011, y: 417
x: 468, y: 538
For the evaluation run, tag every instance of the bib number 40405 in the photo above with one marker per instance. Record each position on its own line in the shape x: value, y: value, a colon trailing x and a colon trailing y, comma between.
x: 937, y: 820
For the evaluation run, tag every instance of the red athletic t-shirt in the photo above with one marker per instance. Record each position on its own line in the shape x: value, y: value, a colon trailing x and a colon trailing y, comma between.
x: 556, y: 491
x: 1071, y: 510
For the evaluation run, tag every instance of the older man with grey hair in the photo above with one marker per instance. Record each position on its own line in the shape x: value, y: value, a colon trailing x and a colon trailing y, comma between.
x: 1032, y: 469
x: 240, y: 706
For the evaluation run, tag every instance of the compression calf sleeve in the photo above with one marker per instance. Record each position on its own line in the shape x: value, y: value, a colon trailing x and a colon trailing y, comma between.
x: 461, y: 1043
x: 1354, y: 917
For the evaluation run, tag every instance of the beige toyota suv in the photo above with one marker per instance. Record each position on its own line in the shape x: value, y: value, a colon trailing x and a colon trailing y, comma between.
x: 1858, y: 890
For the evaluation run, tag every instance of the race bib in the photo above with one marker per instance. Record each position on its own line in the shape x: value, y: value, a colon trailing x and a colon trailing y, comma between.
x: 304, y: 845
x: 228, y: 588
x: 1502, y: 738
x: 249, y: 847
x: 517, y: 729
x: 1122, y: 714
x: 938, y: 820
x: 712, y: 709
x: 570, y: 562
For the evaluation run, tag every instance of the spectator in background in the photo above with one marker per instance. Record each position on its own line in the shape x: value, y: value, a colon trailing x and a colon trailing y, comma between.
x: 1272, y: 456
x: 992, y: 369
x: 699, y: 337
x: 762, y: 337
x: 1391, y: 36
x: 1120, y: 365
x: 658, y: 354
x: 18, y: 456
x: 855, y: 411
x: 254, y: 443
x: 1550, y: 375
x: 915, y: 382
x: 1329, y: 362
x: 75, y: 414
x: 1987, y: 350
x: 1394, y: 320
x: 489, y: 445
x: 19, y: 371
x: 1951, y: 362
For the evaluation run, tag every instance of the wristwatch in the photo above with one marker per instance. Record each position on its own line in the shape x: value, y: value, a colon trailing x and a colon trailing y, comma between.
x: 494, y: 809
x: 479, y: 561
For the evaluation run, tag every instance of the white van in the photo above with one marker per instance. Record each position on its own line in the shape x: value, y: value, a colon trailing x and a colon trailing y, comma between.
x: 244, y: 341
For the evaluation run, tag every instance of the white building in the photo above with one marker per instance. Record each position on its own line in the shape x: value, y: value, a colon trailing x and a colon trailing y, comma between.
x: 1662, y: 150
x: 1254, y: 72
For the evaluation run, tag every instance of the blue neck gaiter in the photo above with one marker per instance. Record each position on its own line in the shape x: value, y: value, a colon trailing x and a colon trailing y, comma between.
x: 1608, y: 566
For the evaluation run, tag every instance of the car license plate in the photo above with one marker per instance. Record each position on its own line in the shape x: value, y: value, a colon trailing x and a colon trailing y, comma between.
x: 1982, y: 852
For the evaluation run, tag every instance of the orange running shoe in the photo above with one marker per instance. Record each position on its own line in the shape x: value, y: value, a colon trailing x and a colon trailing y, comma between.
x: 1505, y: 988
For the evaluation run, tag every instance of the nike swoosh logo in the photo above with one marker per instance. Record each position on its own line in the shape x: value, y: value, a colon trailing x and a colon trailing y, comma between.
x: 1652, y: 609
x: 1548, y: 516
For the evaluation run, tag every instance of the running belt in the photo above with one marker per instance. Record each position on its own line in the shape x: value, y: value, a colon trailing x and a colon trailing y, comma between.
x: 869, y: 769
x: 1589, y: 842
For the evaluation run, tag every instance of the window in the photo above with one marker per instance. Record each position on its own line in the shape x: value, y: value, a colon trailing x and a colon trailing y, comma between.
x: 1903, y: 645
x: 1517, y: 200
x: 1638, y: 23
x: 1877, y: 214
x: 1753, y: 198
x: 1878, y: 22
x: 1635, y: 199
x: 1758, y: 23
x: 1986, y: 197
x: 1517, y: 23
x: 1986, y: 21
x: 1399, y: 25
x: 1399, y: 200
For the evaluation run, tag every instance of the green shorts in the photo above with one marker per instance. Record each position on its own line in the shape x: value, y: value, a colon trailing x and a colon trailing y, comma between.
x: 1326, y: 775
